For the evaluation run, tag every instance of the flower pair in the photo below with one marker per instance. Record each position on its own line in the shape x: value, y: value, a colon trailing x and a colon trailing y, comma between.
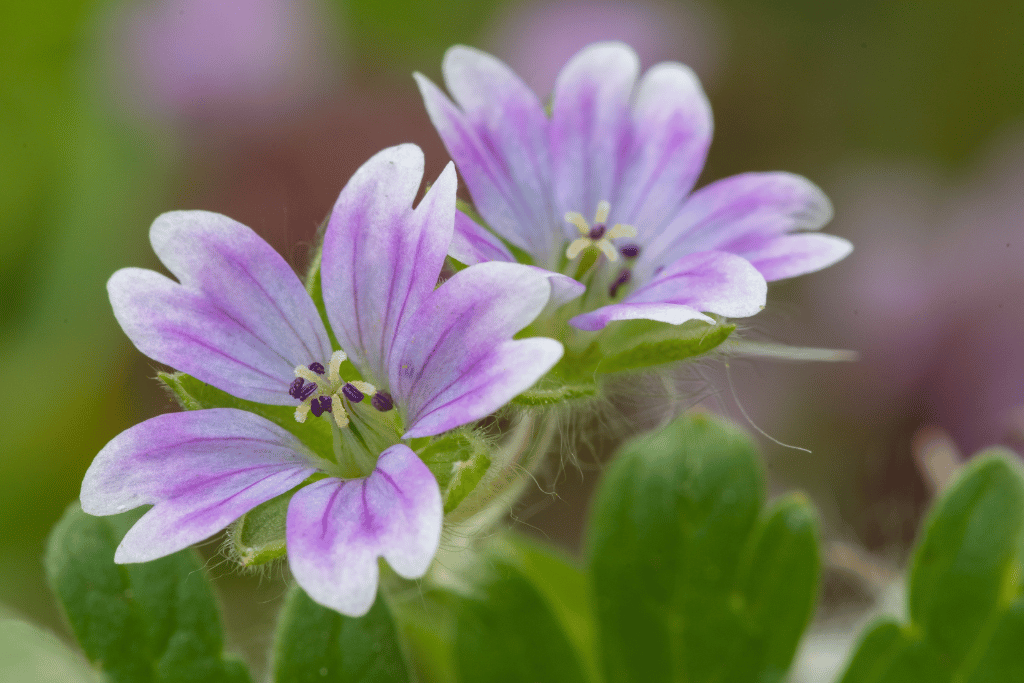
x: 238, y: 318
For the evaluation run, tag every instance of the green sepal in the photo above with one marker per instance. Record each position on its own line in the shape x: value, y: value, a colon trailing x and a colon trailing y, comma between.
x: 556, y: 395
x: 642, y: 344
x: 458, y: 460
x: 507, y: 632
x: 691, y: 580
x: 193, y: 394
x: 964, y: 587
x: 151, y: 622
x: 258, y: 536
x: 314, y: 643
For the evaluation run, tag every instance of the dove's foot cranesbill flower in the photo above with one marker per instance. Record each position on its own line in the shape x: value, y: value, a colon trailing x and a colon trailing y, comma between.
x: 628, y: 154
x: 420, y: 361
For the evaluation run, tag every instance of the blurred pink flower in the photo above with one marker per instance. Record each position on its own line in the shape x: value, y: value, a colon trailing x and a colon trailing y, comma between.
x: 537, y: 38
x: 934, y: 297
x: 230, y: 59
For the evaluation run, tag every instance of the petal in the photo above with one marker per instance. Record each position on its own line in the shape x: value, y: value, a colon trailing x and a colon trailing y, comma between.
x: 381, y: 257
x: 201, y: 470
x: 472, y: 243
x: 591, y: 126
x: 458, y: 362
x: 792, y: 255
x: 705, y: 282
x: 497, y: 136
x: 240, y: 319
x: 563, y: 288
x: 672, y: 128
x: 739, y: 214
x: 338, y: 528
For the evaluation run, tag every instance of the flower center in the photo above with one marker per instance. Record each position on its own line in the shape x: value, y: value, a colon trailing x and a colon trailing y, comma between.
x: 599, y: 235
x: 321, y: 391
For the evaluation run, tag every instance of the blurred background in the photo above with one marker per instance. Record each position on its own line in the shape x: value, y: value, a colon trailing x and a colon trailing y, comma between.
x: 910, y: 115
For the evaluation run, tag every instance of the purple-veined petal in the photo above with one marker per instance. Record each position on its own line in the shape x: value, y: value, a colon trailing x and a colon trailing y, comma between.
x: 472, y: 243
x: 591, y: 128
x: 498, y: 139
x: 672, y: 128
x: 799, y: 254
x: 705, y: 282
x: 337, y: 529
x: 381, y: 257
x: 456, y: 360
x: 739, y: 215
x: 201, y: 470
x: 240, y: 319
x: 563, y: 288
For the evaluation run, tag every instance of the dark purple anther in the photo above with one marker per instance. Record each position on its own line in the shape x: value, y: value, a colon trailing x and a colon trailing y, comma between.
x: 320, y: 405
x: 295, y: 390
x: 596, y: 232
x: 351, y: 393
x: 630, y: 250
x: 622, y: 279
x: 317, y: 368
x: 382, y: 401
x: 306, y: 391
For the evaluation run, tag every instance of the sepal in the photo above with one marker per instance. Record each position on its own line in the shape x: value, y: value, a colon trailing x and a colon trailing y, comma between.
x: 458, y: 460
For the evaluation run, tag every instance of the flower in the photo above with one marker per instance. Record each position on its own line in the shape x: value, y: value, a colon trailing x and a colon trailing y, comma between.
x: 239, y: 319
x: 628, y: 154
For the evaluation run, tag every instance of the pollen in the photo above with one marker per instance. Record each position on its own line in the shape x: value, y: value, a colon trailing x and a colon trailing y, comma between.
x: 597, y: 235
x: 323, y: 391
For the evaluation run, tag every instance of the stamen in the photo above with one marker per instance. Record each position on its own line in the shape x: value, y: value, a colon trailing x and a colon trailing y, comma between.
x: 621, y: 230
x: 318, y: 368
x: 577, y: 219
x: 338, y: 411
x: 382, y: 401
x: 364, y: 387
x: 301, y: 411
x: 295, y: 390
x: 351, y: 393
x: 306, y: 374
x: 622, y: 279
x: 337, y: 358
x: 308, y: 390
x: 630, y: 251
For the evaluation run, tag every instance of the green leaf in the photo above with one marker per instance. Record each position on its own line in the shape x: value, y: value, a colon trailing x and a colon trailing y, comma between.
x: 458, y: 460
x: 29, y: 654
x: 314, y: 643
x: 564, y: 585
x: 155, y: 621
x: 966, y: 613
x: 193, y: 394
x: 508, y: 633
x: 653, y: 344
x: 691, y: 582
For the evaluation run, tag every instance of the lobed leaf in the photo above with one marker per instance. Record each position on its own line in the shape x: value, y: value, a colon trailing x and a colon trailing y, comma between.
x: 157, y: 621
x: 508, y: 633
x: 314, y: 643
x: 691, y: 581
x: 965, y: 585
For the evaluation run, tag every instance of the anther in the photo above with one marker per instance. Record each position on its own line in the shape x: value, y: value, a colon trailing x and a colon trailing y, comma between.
x: 351, y: 393
x: 382, y: 401
x: 622, y: 279
x: 295, y: 390
x: 306, y: 391
x: 317, y: 368
x: 319, y: 406
x: 630, y: 250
